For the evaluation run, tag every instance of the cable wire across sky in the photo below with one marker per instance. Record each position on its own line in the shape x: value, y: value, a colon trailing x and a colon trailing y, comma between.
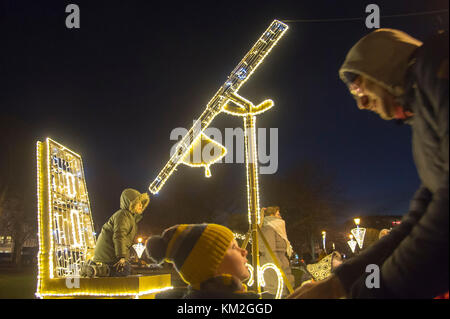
x: 362, y: 18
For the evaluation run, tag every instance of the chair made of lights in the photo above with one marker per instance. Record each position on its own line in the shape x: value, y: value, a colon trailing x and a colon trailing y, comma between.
x: 67, y: 237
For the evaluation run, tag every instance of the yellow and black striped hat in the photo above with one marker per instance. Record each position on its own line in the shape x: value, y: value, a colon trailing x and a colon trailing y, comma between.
x: 196, y: 250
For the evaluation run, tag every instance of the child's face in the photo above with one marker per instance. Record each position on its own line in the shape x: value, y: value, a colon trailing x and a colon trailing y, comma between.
x: 234, y: 262
x: 139, y: 208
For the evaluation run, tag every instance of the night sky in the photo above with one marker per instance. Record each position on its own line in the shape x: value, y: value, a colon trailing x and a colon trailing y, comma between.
x: 115, y: 88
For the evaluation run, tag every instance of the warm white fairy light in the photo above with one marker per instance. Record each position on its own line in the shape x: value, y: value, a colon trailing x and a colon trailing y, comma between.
x: 280, y: 278
x: 206, y: 164
x: 50, y: 211
x: 39, y: 209
x: 70, y: 184
x: 261, y: 277
x: 97, y: 294
x: 250, y: 147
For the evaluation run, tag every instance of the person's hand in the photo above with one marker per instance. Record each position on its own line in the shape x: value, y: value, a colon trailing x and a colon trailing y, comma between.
x: 120, y: 264
x: 330, y: 288
x: 300, y: 290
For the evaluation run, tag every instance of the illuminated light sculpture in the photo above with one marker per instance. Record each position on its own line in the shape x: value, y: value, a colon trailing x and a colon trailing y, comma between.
x: 261, y: 272
x: 352, y: 243
x: 359, y: 233
x: 235, y: 80
x: 139, y: 247
x: 228, y: 100
x: 66, y: 233
x: 203, y: 146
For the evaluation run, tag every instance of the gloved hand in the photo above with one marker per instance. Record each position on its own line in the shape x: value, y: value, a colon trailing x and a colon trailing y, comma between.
x: 120, y: 264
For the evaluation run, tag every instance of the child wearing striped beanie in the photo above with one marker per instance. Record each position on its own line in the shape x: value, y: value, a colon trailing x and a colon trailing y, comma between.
x: 206, y: 256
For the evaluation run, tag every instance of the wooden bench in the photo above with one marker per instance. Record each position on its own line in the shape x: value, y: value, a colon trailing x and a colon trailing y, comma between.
x: 67, y: 235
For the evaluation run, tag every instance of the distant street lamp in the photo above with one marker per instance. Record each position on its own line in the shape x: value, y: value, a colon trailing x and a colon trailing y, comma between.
x: 324, y: 236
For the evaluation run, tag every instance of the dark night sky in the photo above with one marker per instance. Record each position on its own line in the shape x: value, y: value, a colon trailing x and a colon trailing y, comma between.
x: 115, y: 88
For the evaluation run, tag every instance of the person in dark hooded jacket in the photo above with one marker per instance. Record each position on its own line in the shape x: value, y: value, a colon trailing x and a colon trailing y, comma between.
x: 116, y: 238
x: 399, y: 78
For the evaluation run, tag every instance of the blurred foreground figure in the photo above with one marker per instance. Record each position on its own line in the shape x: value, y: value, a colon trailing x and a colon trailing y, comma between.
x: 394, y: 75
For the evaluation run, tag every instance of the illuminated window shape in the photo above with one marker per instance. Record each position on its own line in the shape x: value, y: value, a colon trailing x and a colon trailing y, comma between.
x: 73, y: 239
x: 66, y: 233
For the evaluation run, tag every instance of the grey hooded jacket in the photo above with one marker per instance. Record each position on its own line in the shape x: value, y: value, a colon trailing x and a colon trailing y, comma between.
x: 117, y: 235
x: 413, y: 259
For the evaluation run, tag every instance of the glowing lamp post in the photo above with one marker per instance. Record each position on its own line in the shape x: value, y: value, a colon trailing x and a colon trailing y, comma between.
x: 324, y: 236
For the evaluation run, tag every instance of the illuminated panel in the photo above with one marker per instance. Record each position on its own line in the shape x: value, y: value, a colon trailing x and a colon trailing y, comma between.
x: 71, y: 231
x: 242, y: 72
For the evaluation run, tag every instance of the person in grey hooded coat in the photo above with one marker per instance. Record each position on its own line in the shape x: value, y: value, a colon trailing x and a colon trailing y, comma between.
x: 112, y: 249
x: 274, y: 230
x: 400, y: 78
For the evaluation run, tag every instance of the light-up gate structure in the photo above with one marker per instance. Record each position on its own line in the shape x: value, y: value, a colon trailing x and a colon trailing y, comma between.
x: 227, y: 100
x: 67, y: 236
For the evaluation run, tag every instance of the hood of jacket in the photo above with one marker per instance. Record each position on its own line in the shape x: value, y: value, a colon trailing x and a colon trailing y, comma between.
x: 383, y: 56
x: 129, y: 199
